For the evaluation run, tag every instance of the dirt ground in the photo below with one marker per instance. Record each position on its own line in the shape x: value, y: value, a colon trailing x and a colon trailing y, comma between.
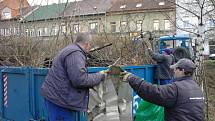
x: 210, y: 76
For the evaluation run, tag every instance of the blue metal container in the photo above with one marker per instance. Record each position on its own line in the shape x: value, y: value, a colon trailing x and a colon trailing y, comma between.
x: 15, y: 94
x: 146, y: 72
x: 37, y: 77
x: 20, y: 98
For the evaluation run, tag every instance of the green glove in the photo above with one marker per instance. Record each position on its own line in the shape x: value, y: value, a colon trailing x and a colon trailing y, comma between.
x: 115, y: 70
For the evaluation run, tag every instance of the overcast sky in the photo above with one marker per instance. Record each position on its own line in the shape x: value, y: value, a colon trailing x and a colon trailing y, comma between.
x: 45, y: 2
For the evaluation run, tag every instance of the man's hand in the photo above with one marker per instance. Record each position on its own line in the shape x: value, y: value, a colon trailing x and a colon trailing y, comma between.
x: 125, y: 75
x: 105, y: 72
x: 116, y: 71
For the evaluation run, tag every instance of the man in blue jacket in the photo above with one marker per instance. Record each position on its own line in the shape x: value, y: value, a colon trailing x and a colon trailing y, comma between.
x: 182, y: 99
x: 66, y: 87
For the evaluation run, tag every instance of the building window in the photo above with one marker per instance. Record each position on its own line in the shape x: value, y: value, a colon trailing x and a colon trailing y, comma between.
x: 63, y: 28
x: 123, y: 25
x: 54, y: 30
x: 31, y: 32
x: 113, y: 26
x: 94, y: 27
x: 40, y: 32
x: 11, y: 32
x: 156, y: 24
x: 166, y: 25
x: 7, y: 32
x: 122, y: 6
x: 161, y: 3
x: 16, y: 31
x: 6, y: 15
x: 46, y: 31
x: 139, y: 5
x: 1, y: 32
x: 187, y: 24
x: 76, y: 28
x: 139, y: 25
x: 27, y: 32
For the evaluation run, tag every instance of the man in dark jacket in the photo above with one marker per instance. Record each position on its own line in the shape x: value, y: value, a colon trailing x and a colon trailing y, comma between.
x: 163, y: 73
x: 66, y: 87
x: 182, y: 99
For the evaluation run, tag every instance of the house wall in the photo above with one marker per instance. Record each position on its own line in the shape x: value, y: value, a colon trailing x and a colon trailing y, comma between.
x: 147, y: 19
x: 9, y: 27
x: 65, y: 25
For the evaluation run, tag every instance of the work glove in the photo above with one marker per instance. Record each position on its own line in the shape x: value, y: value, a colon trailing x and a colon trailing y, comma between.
x: 115, y: 70
x: 112, y: 70
x: 124, y: 75
x: 105, y: 72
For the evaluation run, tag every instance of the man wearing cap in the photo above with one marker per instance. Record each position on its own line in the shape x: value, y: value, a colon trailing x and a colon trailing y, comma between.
x: 164, y: 60
x: 182, y: 99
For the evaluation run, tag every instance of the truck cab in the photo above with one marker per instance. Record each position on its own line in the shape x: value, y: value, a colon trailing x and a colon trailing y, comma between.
x: 174, y: 41
x: 181, y: 46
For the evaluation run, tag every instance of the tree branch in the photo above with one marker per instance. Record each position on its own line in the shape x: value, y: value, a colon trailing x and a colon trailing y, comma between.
x: 184, y: 8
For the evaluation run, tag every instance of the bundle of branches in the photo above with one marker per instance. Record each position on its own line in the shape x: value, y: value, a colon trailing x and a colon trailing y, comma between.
x: 24, y: 51
x: 123, y: 46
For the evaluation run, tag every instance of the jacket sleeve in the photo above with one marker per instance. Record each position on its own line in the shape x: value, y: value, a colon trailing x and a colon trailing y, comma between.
x: 163, y: 95
x: 77, y: 72
x: 157, y: 57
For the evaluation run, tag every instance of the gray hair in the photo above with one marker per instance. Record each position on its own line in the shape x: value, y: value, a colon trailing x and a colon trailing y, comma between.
x: 83, y: 37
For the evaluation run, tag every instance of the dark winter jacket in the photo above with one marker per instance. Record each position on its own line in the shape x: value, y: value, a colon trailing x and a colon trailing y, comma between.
x: 164, y: 61
x: 67, y: 83
x: 182, y: 100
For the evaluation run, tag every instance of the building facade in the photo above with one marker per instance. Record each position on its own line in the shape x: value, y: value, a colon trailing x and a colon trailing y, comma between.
x: 96, y: 16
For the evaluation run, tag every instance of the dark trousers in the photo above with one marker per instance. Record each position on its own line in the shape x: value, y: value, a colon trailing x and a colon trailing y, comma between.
x: 57, y: 113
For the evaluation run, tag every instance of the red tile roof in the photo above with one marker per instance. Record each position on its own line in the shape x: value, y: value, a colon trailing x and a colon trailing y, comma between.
x: 14, y: 5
